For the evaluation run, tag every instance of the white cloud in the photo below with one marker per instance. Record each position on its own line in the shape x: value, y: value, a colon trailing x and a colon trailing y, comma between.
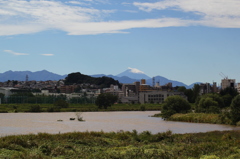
x: 35, y: 16
x: 216, y: 13
x: 78, y: 3
x: 118, y: 27
x: 32, y: 16
x: 206, y: 7
x: 15, y: 53
x: 15, y: 29
x: 47, y: 54
x: 134, y: 70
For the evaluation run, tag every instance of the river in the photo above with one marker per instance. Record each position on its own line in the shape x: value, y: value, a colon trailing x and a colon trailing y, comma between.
x: 25, y: 123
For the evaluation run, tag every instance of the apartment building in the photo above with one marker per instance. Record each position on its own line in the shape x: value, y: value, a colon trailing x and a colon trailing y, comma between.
x: 157, y: 96
x: 228, y: 83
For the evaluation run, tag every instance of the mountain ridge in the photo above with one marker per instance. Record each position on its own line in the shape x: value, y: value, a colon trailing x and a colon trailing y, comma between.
x: 45, y: 75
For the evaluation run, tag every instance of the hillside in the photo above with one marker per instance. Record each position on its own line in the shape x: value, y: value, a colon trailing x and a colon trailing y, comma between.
x: 78, y: 78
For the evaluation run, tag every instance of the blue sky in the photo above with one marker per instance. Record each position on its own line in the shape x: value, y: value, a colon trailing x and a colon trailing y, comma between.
x: 185, y: 40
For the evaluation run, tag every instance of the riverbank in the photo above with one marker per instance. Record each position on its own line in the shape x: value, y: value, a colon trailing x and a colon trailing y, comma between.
x: 10, y: 108
x: 122, y: 145
x: 199, y: 118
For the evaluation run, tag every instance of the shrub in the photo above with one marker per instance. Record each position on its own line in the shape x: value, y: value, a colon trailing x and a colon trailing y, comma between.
x: 209, y: 103
x: 142, y: 108
x: 35, y: 108
x: 105, y: 100
x: 173, y: 105
x: 61, y: 103
x: 235, y: 110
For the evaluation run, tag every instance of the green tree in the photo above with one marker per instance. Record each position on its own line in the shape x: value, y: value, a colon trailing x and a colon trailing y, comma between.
x: 2, y: 97
x: 79, y: 78
x: 181, y: 89
x: 105, y: 100
x: 229, y: 90
x: 173, y: 105
x: 227, y: 99
x: 196, y: 92
x: 235, y: 110
x: 61, y: 103
x: 189, y: 94
x: 209, y: 103
x: 228, y: 94
x: 35, y: 108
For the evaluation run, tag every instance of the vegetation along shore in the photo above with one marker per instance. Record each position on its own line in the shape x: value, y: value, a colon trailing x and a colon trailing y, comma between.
x: 14, y: 108
x: 216, y: 108
x: 125, y: 145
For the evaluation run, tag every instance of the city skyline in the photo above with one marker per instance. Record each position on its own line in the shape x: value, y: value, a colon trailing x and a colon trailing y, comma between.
x: 184, y: 40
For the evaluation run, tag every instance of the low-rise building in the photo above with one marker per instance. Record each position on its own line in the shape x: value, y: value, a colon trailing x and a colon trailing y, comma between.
x: 156, y: 96
x: 7, y: 91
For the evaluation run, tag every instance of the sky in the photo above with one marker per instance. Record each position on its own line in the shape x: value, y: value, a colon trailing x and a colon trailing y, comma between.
x: 184, y: 40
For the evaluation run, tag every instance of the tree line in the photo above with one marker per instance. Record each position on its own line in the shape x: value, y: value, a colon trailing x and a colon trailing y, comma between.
x: 226, y: 103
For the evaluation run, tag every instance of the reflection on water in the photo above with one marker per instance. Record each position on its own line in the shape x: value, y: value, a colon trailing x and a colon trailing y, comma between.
x: 24, y: 123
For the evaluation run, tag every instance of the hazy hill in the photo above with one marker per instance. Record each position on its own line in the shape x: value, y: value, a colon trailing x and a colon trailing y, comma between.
x: 129, y: 76
x: 43, y: 75
x: 78, y: 78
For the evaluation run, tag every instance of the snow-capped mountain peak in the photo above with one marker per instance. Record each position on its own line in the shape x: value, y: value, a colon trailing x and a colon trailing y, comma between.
x: 133, y: 73
x: 134, y: 70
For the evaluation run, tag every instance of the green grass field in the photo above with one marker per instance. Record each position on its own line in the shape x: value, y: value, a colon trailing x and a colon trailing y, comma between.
x: 122, y: 145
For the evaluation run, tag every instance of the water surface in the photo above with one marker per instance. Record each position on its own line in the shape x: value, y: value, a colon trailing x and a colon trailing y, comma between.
x: 25, y: 123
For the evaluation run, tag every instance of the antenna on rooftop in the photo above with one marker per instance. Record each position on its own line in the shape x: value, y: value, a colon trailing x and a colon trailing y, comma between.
x: 26, y: 78
x: 153, y: 81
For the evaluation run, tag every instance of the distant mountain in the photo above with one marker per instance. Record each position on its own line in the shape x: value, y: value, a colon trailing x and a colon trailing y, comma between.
x: 134, y: 74
x: 43, y: 75
x: 191, y: 85
x: 163, y: 81
x: 160, y: 79
x: 129, y: 76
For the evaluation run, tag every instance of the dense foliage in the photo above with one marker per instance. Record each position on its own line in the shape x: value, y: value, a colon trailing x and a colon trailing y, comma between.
x: 235, y: 109
x: 61, y: 103
x: 2, y: 97
x: 124, y: 145
x: 228, y: 94
x: 173, y: 105
x: 191, y: 94
x: 10, y: 108
x: 78, y: 78
x: 105, y: 100
x: 209, y: 103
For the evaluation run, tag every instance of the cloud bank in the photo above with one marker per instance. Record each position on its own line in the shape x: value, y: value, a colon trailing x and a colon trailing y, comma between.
x: 215, y: 13
x: 74, y: 18
x: 15, y: 53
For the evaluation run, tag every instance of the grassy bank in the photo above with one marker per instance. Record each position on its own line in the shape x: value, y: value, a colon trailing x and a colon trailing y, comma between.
x: 129, y: 145
x: 5, y: 108
x: 199, y: 118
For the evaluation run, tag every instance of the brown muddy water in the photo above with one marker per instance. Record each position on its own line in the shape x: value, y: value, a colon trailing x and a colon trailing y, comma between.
x: 25, y: 123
